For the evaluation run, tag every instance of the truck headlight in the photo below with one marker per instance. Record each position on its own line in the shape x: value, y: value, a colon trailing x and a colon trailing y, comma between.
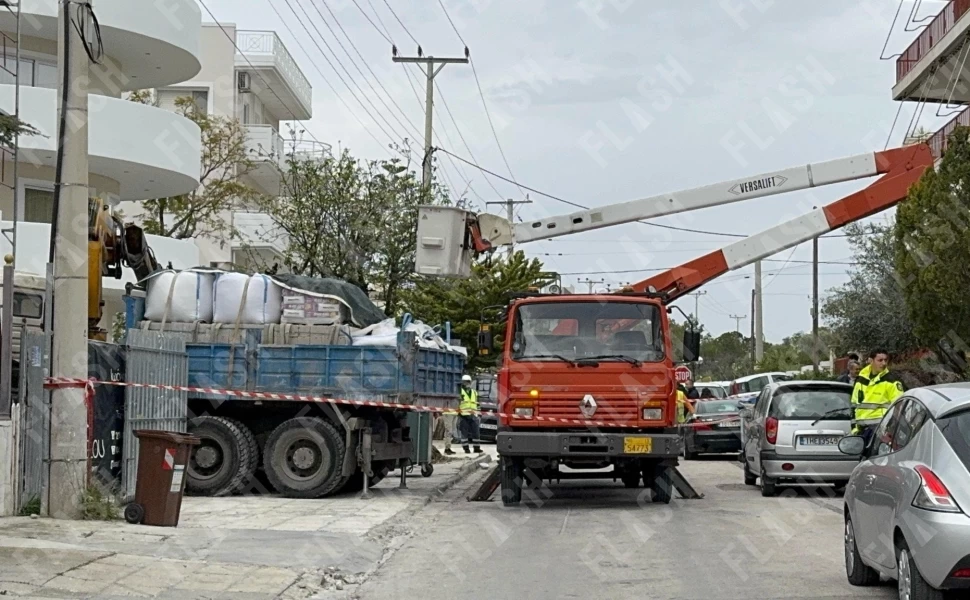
x: 523, y: 412
x: 653, y: 414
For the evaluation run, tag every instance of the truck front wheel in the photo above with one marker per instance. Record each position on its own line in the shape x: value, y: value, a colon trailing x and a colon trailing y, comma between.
x: 511, y: 481
x: 660, y: 482
x: 304, y: 457
x: 225, y: 460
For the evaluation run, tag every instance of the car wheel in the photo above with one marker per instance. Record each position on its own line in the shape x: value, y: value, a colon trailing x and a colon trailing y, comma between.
x: 858, y: 573
x: 689, y: 454
x: 749, y: 477
x: 912, y: 586
x: 768, y: 488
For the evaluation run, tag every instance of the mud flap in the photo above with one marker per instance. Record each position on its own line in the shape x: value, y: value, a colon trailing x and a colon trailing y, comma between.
x: 683, y: 487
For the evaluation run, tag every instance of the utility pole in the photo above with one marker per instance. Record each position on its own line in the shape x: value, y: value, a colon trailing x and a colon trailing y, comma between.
x: 697, y: 296
x: 590, y: 283
x: 429, y: 63
x: 510, y: 205
x: 759, y: 334
x: 754, y: 360
x: 737, y: 321
x: 815, y: 344
x: 69, y: 250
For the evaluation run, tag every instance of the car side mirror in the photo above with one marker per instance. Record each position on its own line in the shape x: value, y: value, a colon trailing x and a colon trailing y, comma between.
x: 853, y: 445
x: 692, y: 345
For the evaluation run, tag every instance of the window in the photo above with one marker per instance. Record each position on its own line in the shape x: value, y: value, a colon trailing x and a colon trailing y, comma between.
x: 761, y: 405
x: 201, y: 100
x: 38, y: 205
x: 882, y: 439
x: 9, y: 64
x: 45, y: 75
x: 810, y: 403
x: 956, y: 431
x: 588, y: 330
x: 757, y: 384
x: 28, y: 306
x: 913, y: 416
x: 716, y: 407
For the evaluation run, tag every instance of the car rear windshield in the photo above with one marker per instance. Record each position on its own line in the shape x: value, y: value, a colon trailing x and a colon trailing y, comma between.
x: 717, y: 406
x: 956, y: 430
x: 810, y: 402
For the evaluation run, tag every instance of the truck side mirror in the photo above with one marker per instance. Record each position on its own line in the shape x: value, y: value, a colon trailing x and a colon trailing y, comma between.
x: 692, y: 345
x: 484, y: 340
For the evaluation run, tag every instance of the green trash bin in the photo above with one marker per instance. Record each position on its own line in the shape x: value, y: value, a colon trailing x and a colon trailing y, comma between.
x: 421, y: 425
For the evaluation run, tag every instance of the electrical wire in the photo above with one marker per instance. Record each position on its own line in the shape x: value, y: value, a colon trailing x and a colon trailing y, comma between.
x: 784, y: 266
x: 882, y: 55
x: 468, y: 148
x: 85, y: 15
x: 912, y: 17
x: 406, y: 30
x: 366, y: 16
x: 458, y: 33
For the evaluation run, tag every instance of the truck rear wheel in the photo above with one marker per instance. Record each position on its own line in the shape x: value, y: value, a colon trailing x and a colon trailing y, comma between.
x: 304, y: 457
x: 511, y: 481
x: 225, y: 461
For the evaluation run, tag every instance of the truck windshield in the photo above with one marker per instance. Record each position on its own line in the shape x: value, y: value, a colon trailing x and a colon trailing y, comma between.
x: 594, y: 331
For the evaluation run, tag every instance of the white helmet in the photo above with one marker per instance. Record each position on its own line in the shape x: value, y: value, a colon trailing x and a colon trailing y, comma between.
x: 466, y: 378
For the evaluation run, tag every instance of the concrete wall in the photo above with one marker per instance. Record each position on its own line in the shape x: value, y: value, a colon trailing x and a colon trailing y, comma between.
x: 8, y: 468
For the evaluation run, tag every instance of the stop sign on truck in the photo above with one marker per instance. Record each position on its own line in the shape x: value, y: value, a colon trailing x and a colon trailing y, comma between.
x: 683, y: 374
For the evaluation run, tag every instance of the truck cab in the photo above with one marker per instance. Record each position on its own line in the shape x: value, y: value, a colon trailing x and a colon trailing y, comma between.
x: 587, y: 382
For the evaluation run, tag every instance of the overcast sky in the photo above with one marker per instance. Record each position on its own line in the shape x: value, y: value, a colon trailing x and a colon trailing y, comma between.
x: 603, y: 101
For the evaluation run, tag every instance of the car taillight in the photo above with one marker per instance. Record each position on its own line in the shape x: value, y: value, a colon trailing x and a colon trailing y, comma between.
x: 771, y: 430
x: 932, y: 494
x: 701, y: 426
x: 961, y: 574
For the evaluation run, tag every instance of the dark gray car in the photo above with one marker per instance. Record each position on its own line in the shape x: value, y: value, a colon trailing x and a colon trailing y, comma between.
x: 488, y: 403
x: 906, y: 503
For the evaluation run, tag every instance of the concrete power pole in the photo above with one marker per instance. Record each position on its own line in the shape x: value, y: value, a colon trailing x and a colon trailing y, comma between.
x: 69, y: 245
x: 815, y: 346
x: 737, y: 321
x: 430, y: 71
x: 697, y: 296
x: 590, y: 283
x: 754, y: 361
x: 510, y: 205
x: 759, y: 334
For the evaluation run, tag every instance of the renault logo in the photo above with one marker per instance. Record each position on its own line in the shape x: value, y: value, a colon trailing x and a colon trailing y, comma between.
x: 587, y: 406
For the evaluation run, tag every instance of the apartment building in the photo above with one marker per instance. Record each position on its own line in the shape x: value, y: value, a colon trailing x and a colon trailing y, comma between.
x: 251, y: 76
x: 934, y: 69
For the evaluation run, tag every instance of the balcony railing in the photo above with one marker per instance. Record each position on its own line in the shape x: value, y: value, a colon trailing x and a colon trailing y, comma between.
x: 263, y: 142
x: 257, y: 230
x: 309, y: 150
x: 930, y: 36
x: 266, y: 45
x: 939, y: 140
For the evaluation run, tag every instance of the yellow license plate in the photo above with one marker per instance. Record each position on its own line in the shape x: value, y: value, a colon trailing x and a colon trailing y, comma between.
x: 637, y: 445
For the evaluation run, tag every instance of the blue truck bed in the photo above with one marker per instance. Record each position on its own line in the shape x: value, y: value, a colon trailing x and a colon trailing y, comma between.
x: 406, y: 373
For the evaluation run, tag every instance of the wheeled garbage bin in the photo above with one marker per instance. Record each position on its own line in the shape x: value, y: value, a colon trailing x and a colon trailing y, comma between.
x: 160, y: 481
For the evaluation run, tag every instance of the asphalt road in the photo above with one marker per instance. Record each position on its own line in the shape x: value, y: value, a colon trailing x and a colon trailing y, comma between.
x: 595, y: 539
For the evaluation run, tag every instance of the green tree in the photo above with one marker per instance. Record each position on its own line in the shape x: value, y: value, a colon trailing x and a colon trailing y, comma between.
x: 204, y: 212
x: 726, y: 356
x: 870, y: 310
x: 11, y: 127
x: 932, y: 248
x: 462, y: 301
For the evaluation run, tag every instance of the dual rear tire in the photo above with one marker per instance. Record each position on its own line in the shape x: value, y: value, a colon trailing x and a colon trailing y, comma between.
x: 225, y: 462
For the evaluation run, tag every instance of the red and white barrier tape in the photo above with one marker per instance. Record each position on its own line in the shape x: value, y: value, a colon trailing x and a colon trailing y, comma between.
x: 88, y: 384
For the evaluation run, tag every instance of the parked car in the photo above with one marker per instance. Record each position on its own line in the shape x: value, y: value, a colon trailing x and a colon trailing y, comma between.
x: 906, y: 502
x: 718, y: 388
x: 756, y: 383
x: 792, y: 435
x: 488, y: 403
x: 714, y: 428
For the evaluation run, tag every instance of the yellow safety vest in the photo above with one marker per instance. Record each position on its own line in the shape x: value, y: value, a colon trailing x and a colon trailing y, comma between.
x: 883, y: 388
x: 681, y: 407
x: 469, y: 401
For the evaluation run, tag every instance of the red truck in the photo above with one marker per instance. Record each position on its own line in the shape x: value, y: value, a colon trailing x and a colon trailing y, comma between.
x: 588, y: 381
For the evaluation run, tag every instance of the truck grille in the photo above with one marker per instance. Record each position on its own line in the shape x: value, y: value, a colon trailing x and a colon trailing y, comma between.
x: 621, y: 411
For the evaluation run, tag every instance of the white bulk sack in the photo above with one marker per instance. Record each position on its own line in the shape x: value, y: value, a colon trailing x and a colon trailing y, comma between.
x: 180, y: 297
x: 252, y: 299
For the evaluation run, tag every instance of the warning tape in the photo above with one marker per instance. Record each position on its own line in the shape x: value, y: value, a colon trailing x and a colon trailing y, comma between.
x: 88, y: 384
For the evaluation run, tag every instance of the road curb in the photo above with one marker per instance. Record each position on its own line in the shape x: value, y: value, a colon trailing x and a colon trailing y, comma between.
x: 464, y: 471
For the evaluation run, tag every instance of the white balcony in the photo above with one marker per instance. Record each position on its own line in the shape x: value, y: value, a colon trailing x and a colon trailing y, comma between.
x: 933, y: 68
x: 275, y: 77
x: 260, y: 243
x: 265, y: 147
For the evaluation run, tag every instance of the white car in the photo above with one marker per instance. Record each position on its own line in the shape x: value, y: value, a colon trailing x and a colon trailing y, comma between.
x: 718, y: 388
x: 755, y: 383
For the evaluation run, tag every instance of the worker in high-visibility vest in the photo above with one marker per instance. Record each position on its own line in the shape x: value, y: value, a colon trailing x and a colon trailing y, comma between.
x: 684, y: 407
x: 468, y: 415
x: 875, y: 385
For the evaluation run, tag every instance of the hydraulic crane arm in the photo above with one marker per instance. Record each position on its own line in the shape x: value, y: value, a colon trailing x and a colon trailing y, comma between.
x: 448, y: 236
x: 901, y: 167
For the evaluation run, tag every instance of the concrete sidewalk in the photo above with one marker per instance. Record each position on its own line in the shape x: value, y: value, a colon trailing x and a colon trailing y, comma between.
x: 243, y: 547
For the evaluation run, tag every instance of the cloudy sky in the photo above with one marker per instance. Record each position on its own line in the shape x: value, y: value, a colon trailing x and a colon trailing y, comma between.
x: 604, y: 101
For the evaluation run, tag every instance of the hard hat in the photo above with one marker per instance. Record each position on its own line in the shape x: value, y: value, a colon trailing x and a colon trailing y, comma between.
x: 466, y: 378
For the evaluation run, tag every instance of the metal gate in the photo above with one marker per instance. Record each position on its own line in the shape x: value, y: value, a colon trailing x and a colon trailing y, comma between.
x: 155, y: 358
x: 35, y: 413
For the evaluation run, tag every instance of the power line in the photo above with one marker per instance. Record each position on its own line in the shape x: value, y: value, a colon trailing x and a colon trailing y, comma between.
x: 366, y: 16
x: 445, y: 10
x: 783, y: 267
x: 882, y: 55
x: 468, y: 148
x: 406, y: 30
x: 322, y: 76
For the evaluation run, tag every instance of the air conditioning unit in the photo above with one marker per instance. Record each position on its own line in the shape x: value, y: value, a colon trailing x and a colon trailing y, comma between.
x: 244, y: 82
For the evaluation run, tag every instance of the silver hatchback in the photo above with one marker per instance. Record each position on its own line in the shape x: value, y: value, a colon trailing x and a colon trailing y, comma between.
x: 792, y: 434
x: 907, y: 501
